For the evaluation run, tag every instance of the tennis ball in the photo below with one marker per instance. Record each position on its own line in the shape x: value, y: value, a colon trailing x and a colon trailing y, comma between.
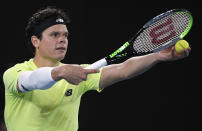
x: 181, y: 45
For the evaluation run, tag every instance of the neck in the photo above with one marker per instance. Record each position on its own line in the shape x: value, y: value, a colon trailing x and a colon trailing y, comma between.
x: 45, y: 62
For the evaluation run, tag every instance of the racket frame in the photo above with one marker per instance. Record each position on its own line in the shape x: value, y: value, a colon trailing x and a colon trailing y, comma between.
x: 116, y: 54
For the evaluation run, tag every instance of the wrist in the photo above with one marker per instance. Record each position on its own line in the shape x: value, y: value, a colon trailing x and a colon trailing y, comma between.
x: 156, y: 57
x: 56, y: 73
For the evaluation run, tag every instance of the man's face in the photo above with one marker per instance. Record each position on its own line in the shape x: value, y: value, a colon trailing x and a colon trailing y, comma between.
x: 54, y: 42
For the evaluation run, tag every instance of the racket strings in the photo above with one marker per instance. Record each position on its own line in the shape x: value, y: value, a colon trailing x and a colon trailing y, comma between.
x: 161, y: 32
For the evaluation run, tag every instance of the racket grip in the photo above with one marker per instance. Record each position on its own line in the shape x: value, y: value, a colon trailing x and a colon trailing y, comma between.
x: 98, y: 64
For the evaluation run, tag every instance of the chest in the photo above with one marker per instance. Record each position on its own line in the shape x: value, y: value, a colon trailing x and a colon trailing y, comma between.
x: 62, y: 93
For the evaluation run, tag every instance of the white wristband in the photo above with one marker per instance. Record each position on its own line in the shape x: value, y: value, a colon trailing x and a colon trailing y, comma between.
x: 98, y: 64
x: 39, y: 79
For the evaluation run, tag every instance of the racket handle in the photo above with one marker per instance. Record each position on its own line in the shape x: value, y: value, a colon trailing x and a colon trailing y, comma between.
x: 98, y: 64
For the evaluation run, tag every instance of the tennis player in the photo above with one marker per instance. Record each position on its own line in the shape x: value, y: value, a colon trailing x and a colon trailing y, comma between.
x: 43, y: 94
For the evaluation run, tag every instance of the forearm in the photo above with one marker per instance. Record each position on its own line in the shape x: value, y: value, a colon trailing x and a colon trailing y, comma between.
x: 45, y: 77
x: 130, y: 68
x: 138, y: 65
x: 42, y: 78
x: 38, y: 79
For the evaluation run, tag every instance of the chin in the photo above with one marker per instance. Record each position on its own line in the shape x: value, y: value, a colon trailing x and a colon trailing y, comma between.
x: 60, y: 58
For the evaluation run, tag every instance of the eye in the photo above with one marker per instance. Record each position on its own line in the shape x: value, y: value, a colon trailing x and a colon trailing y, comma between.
x: 54, y: 34
x: 66, y: 35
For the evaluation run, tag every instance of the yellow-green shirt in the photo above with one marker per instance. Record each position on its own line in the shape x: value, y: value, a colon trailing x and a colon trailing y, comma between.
x: 54, y: 109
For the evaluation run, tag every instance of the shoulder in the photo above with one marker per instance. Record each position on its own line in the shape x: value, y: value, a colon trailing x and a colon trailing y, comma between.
x: 18, y: 68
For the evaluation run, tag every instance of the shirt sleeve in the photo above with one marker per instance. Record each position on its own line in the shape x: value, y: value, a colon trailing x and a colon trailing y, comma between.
x: 92, y: 82
x: 10, y: 79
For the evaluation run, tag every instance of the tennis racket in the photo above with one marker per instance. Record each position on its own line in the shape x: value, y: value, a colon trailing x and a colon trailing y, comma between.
x: 157, y: 34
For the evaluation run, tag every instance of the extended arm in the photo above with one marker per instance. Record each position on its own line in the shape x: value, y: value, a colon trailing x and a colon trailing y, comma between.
x: 137, y: 65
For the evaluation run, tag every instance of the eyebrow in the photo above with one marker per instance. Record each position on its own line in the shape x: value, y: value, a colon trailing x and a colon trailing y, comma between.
x: 59, y: 32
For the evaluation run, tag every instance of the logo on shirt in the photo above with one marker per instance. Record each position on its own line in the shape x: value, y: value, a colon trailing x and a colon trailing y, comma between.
x: 68, y: 92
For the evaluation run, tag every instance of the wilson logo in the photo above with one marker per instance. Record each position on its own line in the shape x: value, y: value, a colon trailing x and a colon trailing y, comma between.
x: 163, y: 32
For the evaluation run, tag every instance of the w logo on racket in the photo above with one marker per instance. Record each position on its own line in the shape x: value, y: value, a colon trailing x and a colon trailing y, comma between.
x: 163, y: 32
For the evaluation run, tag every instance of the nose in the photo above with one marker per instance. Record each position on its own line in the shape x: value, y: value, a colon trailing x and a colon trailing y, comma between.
x: 63, y: 40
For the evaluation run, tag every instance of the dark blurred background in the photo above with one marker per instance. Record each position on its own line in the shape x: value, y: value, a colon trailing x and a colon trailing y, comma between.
x: 165, y: 98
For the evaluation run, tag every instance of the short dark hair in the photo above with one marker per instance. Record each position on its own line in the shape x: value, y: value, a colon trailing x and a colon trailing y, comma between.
x: 40, y: 16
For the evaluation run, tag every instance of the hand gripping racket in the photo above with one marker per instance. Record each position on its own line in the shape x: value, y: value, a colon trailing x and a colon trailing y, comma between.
x: 157, y: 34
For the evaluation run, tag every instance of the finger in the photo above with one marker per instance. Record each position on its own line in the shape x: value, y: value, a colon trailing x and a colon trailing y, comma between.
x: 189, y: 49
x: 90, y: 71
x: 84, y: 77
x: 173, y: 52
x: 77, y: 82
x: 186, y: 52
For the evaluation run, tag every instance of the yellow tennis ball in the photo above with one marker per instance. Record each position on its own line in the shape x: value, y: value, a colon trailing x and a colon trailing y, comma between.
x: 181, y: 45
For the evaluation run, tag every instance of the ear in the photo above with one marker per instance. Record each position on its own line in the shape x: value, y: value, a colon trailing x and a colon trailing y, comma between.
x: 35, y: 41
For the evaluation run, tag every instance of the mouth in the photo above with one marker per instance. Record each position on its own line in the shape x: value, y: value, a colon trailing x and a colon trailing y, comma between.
x: 61, y: 48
